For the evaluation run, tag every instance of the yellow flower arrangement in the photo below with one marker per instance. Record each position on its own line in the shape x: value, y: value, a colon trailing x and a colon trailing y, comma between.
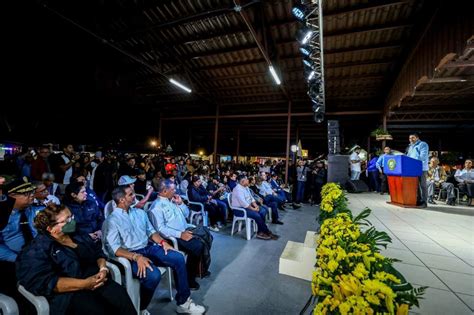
x: 351, y: 276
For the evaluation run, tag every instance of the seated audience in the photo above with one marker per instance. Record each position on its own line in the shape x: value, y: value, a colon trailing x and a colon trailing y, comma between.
x: 130, y: 182
x: 242, y: 198
x: 436, y: 177
x: 87, y: 214
x: 69, y: 269
x: 168, y: 215
x: 42, y: 198
x: 197, y: 193
x: 129, y: 234
x: 91, y: 195
x: 465, y: 179
x: 16, y: 230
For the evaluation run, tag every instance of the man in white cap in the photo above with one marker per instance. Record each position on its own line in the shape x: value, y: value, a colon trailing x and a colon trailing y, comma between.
x: 355, y: 163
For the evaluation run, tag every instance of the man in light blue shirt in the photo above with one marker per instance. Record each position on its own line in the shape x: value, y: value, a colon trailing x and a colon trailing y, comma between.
x: 420, y: 150
x: 129, y: 233
x: 379, y: 164
x: 168, y: 215
x: 465, y: 179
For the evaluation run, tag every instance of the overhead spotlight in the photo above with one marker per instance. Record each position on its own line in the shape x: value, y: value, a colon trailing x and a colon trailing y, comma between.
x: 299, y: 12
x: 304, y: 35
x: 305, y: 51
x: 308, y: 63
x: 314, y: 77
x: 319, y: 117
x: 314, y: 91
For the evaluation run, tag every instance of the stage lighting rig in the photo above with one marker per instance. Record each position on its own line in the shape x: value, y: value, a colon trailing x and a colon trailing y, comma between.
x: 310, y: 36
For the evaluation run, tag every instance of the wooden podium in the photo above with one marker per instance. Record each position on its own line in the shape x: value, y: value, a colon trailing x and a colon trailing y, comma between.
x: 402, y: 173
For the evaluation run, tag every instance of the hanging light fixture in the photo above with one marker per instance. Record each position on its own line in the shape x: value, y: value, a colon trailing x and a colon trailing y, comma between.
x: 181, y: 86
x: 275, y: 75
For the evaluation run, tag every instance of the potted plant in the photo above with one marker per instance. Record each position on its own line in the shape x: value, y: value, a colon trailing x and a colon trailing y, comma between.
x: 381, y: 134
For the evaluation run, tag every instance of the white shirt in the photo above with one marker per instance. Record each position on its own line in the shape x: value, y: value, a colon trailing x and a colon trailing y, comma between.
x: 68, y: 173
x: 241, y: 197
x: 168, y: 218
x: 355, y: 166
x: 464, y: 174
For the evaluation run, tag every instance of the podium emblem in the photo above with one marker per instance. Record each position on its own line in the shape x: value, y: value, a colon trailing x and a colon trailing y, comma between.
x: 391, y: 164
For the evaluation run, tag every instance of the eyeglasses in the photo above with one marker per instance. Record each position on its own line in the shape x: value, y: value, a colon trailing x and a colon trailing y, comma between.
x: 69, y: 219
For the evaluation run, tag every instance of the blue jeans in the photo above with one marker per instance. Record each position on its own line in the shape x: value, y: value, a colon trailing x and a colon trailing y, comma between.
x: 272, y: 202
x: 300, y: 191
x: 374, y: 180
x: 173, y: 259
x: 259, y: 218
x: 223, y: 208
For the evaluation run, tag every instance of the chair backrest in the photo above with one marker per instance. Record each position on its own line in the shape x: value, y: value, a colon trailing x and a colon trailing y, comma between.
x: 238, y: 209
x: 109, y: 207
x: 147, y: 205
x: 8, y: 305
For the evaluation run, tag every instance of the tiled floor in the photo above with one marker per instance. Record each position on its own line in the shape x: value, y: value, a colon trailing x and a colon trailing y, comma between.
x: 436, y: 246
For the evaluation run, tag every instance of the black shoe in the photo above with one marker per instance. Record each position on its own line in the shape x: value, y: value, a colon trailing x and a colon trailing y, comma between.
x: 431, y: 201
x: 281, y: 208
x: 277, y: 222
x: 423, y: 205
x: 193, y: 285
x: 207, y: 274
x: 273, y: 236
x: 263, y: 236
x: 451, y: 202
x: 296, y: 206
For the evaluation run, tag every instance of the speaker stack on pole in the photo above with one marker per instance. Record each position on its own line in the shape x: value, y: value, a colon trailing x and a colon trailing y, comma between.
x: 338, y: 165
x: 334, y: 139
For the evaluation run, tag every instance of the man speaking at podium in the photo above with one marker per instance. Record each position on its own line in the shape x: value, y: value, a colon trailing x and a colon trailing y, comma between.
x: 419, y: 150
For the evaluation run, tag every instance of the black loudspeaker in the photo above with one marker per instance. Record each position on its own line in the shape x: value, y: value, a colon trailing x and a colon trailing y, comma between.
x: 356, y: 186
x: 338, y: 169
x: 334, y: 142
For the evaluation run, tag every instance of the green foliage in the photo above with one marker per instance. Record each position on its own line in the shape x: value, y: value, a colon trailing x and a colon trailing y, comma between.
x: 379, y: 132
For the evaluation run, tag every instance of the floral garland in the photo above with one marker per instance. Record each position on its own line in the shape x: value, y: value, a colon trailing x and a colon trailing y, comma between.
x: 333, y: 201
x: 351, y: 275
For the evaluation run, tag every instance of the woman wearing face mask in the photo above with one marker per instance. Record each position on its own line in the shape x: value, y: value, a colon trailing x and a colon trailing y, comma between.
x: 69, y: 269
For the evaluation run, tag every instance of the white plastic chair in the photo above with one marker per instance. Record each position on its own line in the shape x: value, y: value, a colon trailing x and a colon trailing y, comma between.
x: 41, y: 303
x: 249, y: 223
x: 147, y: 205
x: 197, y: 214
x: 8, y: 305
x: 132, y: 285
x: 109, y: 207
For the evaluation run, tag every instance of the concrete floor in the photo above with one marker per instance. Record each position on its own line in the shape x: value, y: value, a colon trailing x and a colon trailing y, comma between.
x: 436, y: 246
x: 245, y: 278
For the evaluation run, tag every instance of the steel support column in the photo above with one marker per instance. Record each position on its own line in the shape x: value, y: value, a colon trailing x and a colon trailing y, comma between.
x: 288, y: 134
x: 216, y: 131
